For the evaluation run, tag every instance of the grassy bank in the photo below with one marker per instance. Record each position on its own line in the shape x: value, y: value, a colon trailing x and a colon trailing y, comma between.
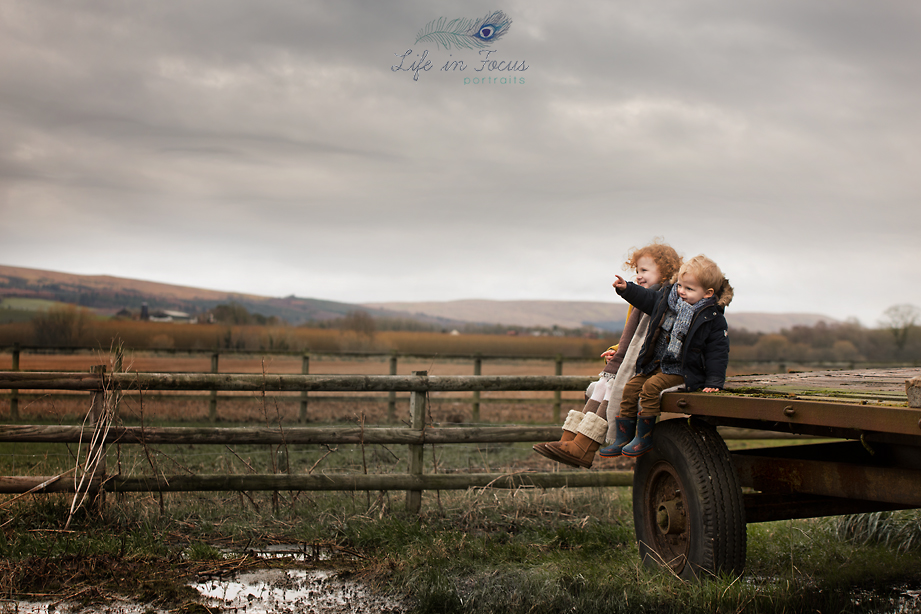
x: 478, y: 551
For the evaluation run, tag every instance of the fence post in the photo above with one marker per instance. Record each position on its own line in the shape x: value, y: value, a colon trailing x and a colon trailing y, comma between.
x: 477, y: 370
x: 392, y: 395
x: 14, y: 393
x: 417, y: 411
x: 212, y: 405
x: 556, y: 393
x: 305, y: 369
x: 96, y: 415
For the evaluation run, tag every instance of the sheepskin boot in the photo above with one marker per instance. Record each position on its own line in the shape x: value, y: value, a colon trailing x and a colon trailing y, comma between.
x: 580, y: 452
x: 642, y: 443
x: 569, y: 432
x: 626, y: 431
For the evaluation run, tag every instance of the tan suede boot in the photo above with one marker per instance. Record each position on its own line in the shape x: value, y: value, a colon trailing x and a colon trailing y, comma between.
x: 569, y: 432
x: 580, y: 452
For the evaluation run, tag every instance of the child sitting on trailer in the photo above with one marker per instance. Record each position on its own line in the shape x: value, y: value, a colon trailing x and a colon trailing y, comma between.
x: 687, y: 343
x: 584, y: 431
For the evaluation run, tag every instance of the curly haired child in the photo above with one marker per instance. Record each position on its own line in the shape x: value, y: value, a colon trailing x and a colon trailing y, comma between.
x: 584, y: 431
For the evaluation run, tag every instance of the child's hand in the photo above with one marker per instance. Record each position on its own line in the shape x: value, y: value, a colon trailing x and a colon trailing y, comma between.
x: 607, y: 355
x: 711, y: 390
x: 620, y: 284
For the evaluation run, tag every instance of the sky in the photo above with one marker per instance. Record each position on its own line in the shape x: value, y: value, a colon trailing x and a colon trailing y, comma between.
x: 279, y: 147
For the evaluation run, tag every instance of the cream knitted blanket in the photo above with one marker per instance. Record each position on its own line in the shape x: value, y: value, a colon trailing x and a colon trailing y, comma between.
x: 624, y: 373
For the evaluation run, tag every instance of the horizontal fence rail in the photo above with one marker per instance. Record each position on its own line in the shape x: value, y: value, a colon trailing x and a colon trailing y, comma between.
x: 80, y: 349
x: 294, y: 435
x: 288, y: 383
x: 333, y: 482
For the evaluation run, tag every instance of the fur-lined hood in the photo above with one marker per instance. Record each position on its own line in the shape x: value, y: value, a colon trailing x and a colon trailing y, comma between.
x: 724, y: 297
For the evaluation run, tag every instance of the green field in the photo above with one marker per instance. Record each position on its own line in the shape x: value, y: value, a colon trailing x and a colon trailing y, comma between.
x: 16, y: 303
x: 16, y: 309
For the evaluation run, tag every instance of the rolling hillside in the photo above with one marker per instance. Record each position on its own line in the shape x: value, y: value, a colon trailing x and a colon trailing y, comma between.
x: 108, y: 295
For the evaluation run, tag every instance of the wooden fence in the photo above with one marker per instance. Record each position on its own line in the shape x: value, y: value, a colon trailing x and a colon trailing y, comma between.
x: 16, y: 350
x: 393, y: 358
x: 414, y: 481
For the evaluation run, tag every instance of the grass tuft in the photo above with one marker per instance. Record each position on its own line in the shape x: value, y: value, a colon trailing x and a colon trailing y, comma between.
x: 898, y: 530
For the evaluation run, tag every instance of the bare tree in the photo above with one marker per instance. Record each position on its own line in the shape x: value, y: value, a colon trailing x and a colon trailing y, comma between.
x: 900, y: 319
x: 62, y: 325
x: 360, y: 322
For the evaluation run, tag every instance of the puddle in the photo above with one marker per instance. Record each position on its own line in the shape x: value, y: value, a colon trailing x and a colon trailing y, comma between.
x: 271, y: 591
x: 906, y: 601
x: 294, y: 590
x: 295, y: 552
x: 116, y: 606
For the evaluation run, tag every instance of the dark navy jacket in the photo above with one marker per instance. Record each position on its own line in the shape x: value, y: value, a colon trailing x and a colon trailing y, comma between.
x: 705, y: 351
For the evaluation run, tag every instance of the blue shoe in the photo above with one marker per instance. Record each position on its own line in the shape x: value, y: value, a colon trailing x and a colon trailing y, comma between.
x: 626, y: 429
x: 642, y: 443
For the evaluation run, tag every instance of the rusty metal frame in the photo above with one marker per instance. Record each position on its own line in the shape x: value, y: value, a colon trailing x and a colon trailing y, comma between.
x: 843, y: 470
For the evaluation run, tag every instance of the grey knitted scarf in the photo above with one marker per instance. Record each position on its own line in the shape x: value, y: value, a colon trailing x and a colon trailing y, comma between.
x: 684, y: 314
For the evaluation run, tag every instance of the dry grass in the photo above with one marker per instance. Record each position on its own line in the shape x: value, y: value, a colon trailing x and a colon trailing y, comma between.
x: 158, y: 335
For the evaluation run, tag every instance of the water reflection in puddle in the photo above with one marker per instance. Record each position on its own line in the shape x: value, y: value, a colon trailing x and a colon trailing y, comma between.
x: 268, y: 591
x: 293, y: 590
x: 117, y: 606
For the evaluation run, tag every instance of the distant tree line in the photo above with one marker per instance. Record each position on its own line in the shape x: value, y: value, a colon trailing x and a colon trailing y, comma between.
x: 236, y: 314
x: 364, y: 323
x: 897, y: 339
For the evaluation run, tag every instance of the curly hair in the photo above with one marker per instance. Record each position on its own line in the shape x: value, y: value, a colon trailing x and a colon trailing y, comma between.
x: 664, y: 255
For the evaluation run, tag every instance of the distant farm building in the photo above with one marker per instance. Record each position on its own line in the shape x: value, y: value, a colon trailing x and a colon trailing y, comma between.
x: 165, y: 315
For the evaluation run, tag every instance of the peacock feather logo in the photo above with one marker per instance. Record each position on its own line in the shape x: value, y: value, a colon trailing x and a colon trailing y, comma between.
x: 465, y: 33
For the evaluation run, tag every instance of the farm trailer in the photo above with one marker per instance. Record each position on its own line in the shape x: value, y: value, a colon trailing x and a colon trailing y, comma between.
x: 692, y: 496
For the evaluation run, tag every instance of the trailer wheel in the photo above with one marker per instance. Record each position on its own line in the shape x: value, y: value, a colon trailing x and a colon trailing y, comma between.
x: 687, y: 502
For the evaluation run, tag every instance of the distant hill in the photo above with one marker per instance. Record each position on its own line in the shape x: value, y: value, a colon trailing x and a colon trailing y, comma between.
x: 573, y: 314
x: 568, y: 314
x: 108, y: 295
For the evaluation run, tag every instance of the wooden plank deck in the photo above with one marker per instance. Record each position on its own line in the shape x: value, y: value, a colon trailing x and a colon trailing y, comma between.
x: 840, y: 404
x: 863, y: 386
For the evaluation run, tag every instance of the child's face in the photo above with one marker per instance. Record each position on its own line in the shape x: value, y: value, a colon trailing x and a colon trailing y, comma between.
x: 647, y: 271
x: 690, y: 290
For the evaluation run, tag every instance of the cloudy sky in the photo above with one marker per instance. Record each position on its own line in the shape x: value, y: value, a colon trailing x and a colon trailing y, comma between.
x: 269, y: 147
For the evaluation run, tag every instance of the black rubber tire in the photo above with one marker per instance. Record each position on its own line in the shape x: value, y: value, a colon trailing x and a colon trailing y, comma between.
x: 687, y: 502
